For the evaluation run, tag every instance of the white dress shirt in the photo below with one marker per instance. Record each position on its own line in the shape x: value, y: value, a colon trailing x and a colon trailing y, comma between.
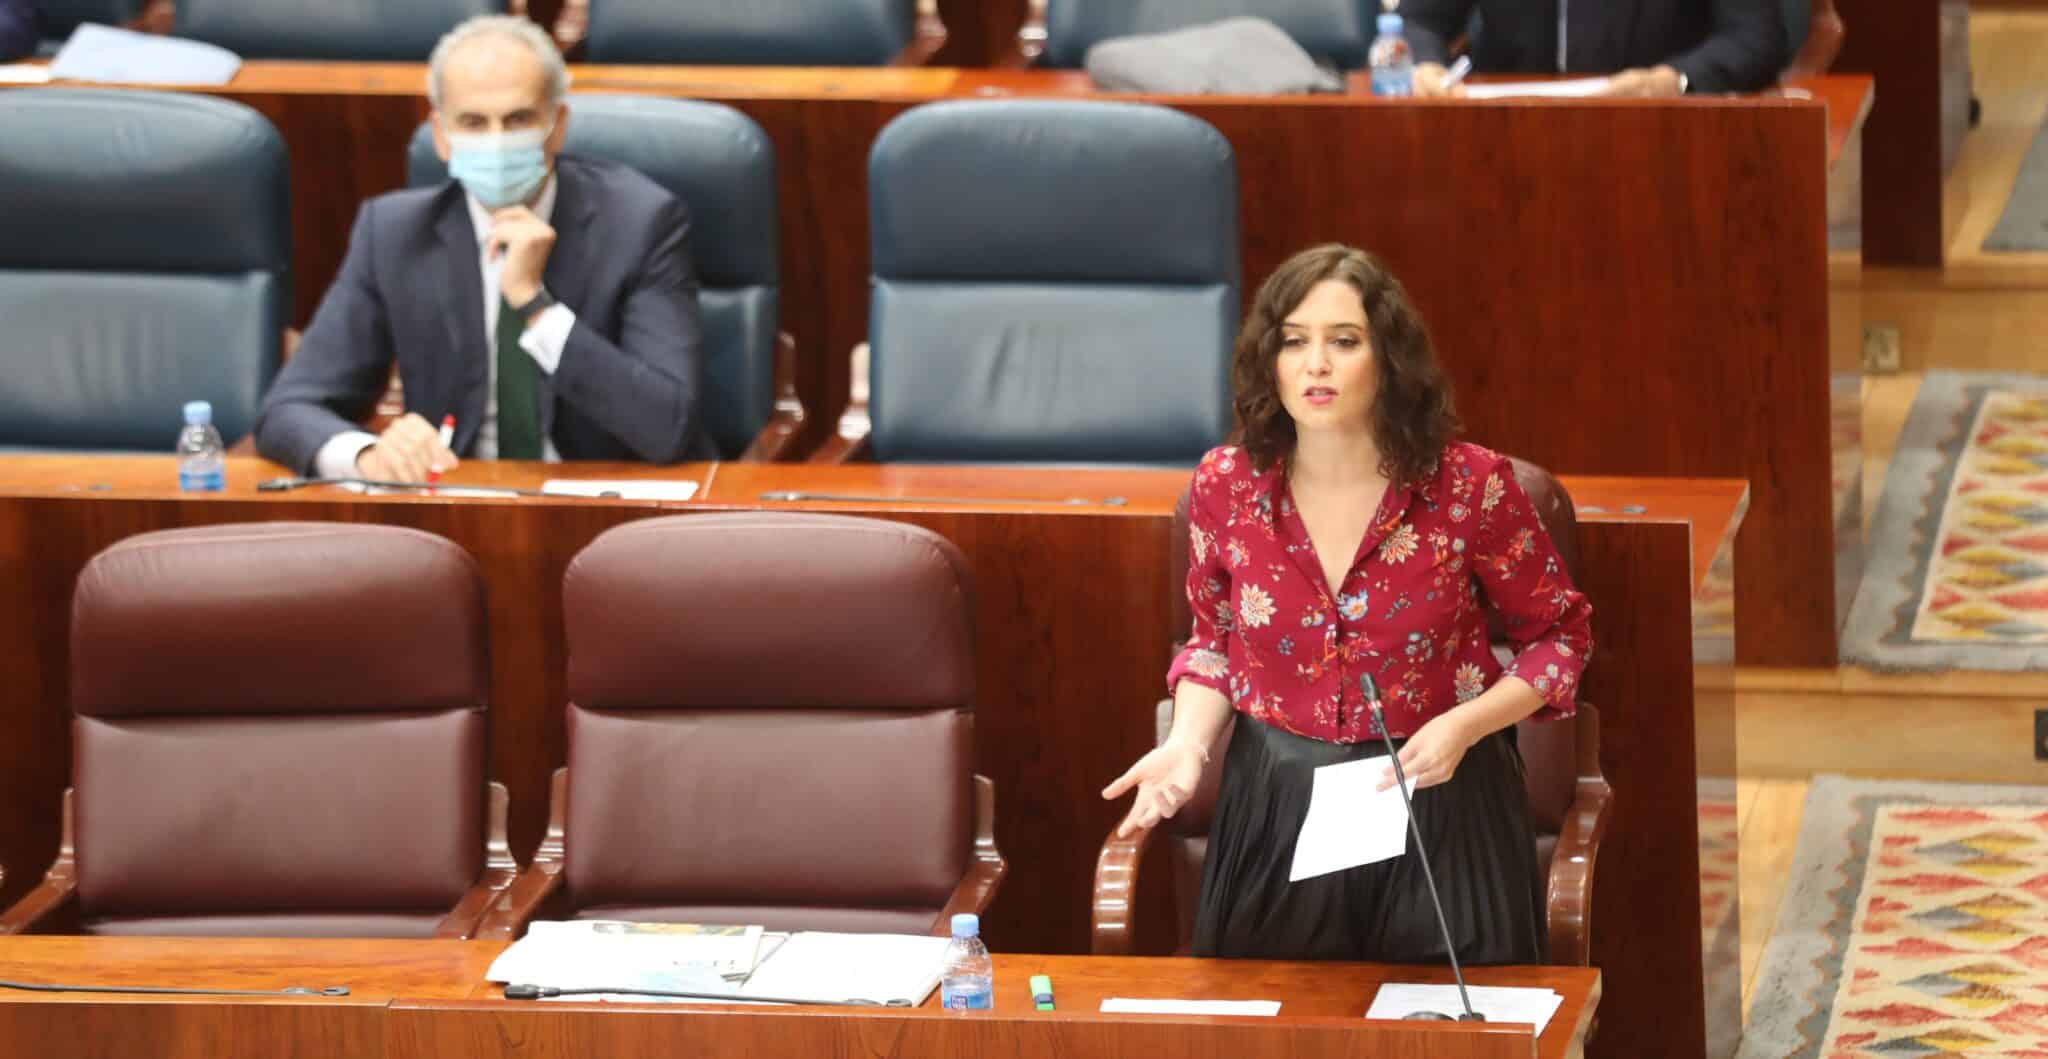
x: 543, y: 340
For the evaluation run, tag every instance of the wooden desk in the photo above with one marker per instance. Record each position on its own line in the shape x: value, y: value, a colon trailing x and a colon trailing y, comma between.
x: 1899, y: 43
x: 408, y: 1000
x: 1073, y: 613
x: 1617, y: 287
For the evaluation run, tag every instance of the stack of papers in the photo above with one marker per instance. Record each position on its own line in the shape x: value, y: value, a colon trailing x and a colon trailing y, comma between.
x: 1574, y: 88
x: 739, y: 963
x: 622, y: 488
x: 1497, y: 1003
x: 103, y: 53
x: 1147, y: 1006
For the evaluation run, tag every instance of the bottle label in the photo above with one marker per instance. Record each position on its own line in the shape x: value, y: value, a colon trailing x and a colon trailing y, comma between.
x: 1393, y: 83
x: 207, y: 481
x: 974, y: 998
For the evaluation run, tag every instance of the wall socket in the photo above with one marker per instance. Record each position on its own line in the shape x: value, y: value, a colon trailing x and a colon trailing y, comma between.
x: 1881, y: 349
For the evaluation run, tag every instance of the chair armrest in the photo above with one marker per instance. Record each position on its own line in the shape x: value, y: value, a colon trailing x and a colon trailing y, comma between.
x: 541, y: 883
x: 779, y: 441
x: 571, y: 27
x: 985, y: 870
x: 1569, y: 902
x: 839, y: 448
x: 1112, y: 910
x: 499, y: 869
x: 55, y: 893
x: 159, y: 17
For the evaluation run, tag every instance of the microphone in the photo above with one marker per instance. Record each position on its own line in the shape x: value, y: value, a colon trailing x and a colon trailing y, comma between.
x: 1379, y: 724
x: 542, y: 992
x: 158, y: 990
x: 285, y: 485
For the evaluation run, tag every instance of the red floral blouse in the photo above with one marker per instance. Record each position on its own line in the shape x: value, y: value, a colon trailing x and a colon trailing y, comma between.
x: 1412, y: 609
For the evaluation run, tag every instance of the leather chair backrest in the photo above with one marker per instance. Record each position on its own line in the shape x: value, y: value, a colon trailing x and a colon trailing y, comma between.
x: 720, y: 163
x: 361, y: 30
x: 771, y: 718
x: 750, y: 33
x: 1333, y: 31
x: 278, y: 727
x: 1054, y: 281
x: 145, y: 251
x: 60, y: 17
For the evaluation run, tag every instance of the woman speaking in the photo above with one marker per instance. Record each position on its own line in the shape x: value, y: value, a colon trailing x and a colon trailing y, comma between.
x: 1346, y: 533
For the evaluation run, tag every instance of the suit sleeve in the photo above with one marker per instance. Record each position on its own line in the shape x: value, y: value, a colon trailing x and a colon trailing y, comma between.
x: 1745, y: 52
x: 645, y: 387
x: 1431, y: 26
x: 332, y: 381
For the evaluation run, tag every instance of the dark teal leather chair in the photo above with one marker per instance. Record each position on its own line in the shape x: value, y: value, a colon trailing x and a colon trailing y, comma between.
x: 60, y: 17
x: 363, y: 30
x: 145, y: 251
x: 1054, y: 282
x: 720, y: 163
x: 750, y: 32
x: 1334, y: 31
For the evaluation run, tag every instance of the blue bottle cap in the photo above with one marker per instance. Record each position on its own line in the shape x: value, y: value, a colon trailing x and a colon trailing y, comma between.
x: 966, y: 925
x: 198, y: 413
x: 1390, y: 24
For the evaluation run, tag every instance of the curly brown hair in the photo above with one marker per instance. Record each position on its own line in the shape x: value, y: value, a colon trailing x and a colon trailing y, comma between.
x: 1412, y: 414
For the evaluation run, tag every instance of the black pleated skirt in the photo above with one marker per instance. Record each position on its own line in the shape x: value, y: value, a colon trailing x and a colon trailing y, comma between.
x: 1476, y: 826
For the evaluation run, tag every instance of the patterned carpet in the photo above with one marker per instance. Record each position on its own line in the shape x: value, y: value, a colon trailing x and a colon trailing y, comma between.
x: 1915, y: 924
x: 1958, y: 573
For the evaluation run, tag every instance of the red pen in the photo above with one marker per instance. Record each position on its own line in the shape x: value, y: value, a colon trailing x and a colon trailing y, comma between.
x: 447, y: 441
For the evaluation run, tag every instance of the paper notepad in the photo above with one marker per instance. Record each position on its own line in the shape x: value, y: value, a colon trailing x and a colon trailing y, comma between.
x: 1497, y: 1003
x: 1151, y: 1006
x: 820, y: 966
x: 622, y: 488
x: 1574, y: 88
x: 1348, y: 822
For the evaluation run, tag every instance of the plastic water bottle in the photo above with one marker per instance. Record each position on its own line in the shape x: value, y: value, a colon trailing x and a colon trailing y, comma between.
x: 200, y: 451
x: 1393, y: 62
x: 968, y: 981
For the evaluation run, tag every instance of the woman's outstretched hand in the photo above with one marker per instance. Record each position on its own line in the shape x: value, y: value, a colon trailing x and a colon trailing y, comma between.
x: 1165, y: 778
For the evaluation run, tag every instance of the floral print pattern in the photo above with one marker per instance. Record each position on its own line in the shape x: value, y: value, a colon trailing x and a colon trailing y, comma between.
x: 1438, y: 556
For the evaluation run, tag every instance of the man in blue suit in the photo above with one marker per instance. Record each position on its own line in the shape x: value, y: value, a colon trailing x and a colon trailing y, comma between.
x: 18, y: 30
x: 548, y: 304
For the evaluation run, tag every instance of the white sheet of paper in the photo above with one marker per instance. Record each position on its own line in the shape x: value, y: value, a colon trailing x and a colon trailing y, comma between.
x: 626, y: 488
x: 104, y: 53
x: 1575, y: 88
x: 1349, y: 823
x: 24, y: 74
x: 1497, y: 1003
x: 1156, y: 1006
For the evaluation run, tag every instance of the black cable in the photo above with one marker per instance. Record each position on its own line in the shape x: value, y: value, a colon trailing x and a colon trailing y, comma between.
x: 158, y: 990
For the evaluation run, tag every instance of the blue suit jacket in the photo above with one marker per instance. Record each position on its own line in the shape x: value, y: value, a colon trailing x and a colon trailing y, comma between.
x: 410, y: 289
x: 18, y: 30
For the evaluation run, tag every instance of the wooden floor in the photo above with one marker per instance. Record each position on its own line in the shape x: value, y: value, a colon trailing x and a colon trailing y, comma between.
x: 1985, y: 312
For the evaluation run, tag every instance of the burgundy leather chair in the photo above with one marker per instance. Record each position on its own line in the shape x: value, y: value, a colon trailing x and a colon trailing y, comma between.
x: 278, y: 731
x: 770, y: 721
x: 1825, y: 35
x: 1568, y: 797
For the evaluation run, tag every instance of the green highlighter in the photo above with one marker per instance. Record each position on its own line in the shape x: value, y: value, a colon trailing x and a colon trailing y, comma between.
x: 1041, y: 992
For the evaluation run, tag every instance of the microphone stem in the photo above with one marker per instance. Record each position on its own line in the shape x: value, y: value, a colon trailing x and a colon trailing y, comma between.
x: 1379, y: 721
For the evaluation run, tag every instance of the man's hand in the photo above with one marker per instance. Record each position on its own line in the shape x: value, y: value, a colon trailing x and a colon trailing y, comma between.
x: 1657, y: 82
x: 1429, y: 81
x: 520, y: 242
x: 408, y: 451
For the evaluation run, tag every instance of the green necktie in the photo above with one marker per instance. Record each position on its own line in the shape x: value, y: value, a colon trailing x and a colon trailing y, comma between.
x: 518, y: 391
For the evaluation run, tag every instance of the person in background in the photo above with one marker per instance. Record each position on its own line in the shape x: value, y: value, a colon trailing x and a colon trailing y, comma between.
x: 548, y: 304
x: 1345, y: 532
x: 1652, y: 48
x: 19, y: 29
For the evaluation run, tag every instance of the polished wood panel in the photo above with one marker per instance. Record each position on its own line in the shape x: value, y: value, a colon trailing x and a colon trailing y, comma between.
x: 979, y: 32
x: 1899, y: 42
x: 111, y: 1026
x: 407, y: 1000
x: 1068, y: 596
x: 1319, y: 1016
x: 1598, y: 231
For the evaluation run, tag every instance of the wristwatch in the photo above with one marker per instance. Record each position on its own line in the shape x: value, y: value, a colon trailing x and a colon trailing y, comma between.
x: 543, y: 299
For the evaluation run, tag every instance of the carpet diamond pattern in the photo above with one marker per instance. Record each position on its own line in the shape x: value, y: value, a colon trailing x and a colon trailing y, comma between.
x: 1989, y: 580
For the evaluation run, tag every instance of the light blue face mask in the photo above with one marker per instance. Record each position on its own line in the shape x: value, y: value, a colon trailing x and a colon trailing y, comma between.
x: 500, y: 168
